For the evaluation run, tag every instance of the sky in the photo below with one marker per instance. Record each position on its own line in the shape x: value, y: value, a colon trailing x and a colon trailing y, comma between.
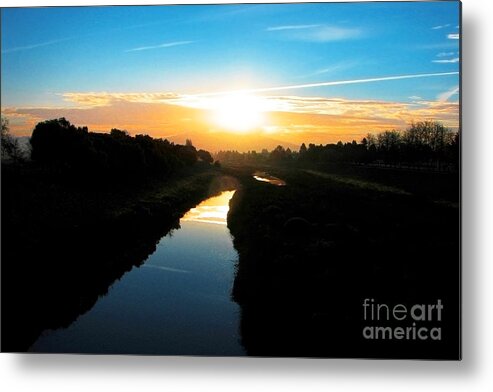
x: 233, y: 75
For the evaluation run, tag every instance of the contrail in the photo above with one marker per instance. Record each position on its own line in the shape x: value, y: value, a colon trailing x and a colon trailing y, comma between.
x: 38, y: 45
x: 323, y: 84
x: 165, y: 45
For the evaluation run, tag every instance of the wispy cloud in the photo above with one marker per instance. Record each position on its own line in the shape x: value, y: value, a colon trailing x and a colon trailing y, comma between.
x: 322, y: 119
x: 86, y: 35
x: 447, y: 61
x: 453, y: 36
x: 446, y: 54
x: 446, y: 44
x: 441, y: 27
x: 326, y: 70
x: 317, y: 32
x: 444, y: 97
x: 93, y: 99
x: 330, y: 33
x: 164, y: 45
x: 33, y: 46
x: 343, y: 65
x: 292, y: 27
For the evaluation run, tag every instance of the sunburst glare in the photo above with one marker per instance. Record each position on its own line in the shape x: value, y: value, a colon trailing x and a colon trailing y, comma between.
x: 239, y: 112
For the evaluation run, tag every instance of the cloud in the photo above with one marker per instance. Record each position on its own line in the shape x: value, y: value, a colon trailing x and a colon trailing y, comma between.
x: 19, y: 121
x: 326, y: 70
x: 164, y: 45
x: 291, y: 27
x: 447, y: 61
x: 33, y: 46
x: 104, y: 98
x: 448, y: 94
x: 440, y: 26
x: 446, y: 54
x: 159, y: 119
x: 329, y: 33
x: 324, y: 120
x: 89, y: 34
x: 317, y: 33
x: 343, y: 65
x: 453, y: 36
x: 338, y: 106
x: 452, y: 44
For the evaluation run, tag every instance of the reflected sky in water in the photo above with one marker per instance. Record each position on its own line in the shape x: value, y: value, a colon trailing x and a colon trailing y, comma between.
x: 177, y: 303
x: 213, y: 210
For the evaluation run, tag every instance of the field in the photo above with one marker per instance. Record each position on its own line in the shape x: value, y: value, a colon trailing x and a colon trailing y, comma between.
x: 313, y: 250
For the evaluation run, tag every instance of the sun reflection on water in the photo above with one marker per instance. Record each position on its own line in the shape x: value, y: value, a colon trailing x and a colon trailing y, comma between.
x: 213, y: 210
x: 265, y: 177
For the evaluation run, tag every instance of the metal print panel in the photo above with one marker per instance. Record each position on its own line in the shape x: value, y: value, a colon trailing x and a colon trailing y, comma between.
x: 274, y: 180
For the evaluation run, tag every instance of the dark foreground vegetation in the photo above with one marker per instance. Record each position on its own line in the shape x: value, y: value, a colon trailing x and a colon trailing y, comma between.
x: 378, y: 219
x: 313, y: 250
x: 86, y: 209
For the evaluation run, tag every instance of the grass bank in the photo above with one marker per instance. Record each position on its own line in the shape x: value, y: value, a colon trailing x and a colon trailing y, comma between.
x: 313, y: 250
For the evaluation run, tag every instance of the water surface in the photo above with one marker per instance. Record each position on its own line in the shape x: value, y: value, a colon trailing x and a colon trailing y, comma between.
x: 266, y: 177
x: 177, y: 303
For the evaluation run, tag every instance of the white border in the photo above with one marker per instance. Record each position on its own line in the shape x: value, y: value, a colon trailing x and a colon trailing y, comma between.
x: 474, y: 373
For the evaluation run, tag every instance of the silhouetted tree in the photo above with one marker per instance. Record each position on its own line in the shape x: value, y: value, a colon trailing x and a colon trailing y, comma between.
x: 57, y: 143
x: 119, y: 133
x: 10, y: 145
x: 205, y: 156
x: 278, y: 154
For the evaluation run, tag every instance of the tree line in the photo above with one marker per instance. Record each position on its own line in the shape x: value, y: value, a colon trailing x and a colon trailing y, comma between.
x: 63, y: 147
x: 423, y: 144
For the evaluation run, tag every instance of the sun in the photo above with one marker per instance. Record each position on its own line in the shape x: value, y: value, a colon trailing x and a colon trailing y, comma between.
x: 239, y: 112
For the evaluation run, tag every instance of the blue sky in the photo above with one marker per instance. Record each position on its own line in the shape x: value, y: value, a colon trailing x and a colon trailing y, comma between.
x: 48, y: 52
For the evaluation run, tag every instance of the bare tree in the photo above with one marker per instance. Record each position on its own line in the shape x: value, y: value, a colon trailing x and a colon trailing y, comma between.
x: 10, y: 146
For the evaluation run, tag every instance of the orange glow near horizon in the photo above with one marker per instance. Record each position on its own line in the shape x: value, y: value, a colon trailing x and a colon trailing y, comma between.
x: 238, y: 120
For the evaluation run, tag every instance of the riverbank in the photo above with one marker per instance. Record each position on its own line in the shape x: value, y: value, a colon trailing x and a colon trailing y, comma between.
x: 64, y: 244
x: 313, y: 250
